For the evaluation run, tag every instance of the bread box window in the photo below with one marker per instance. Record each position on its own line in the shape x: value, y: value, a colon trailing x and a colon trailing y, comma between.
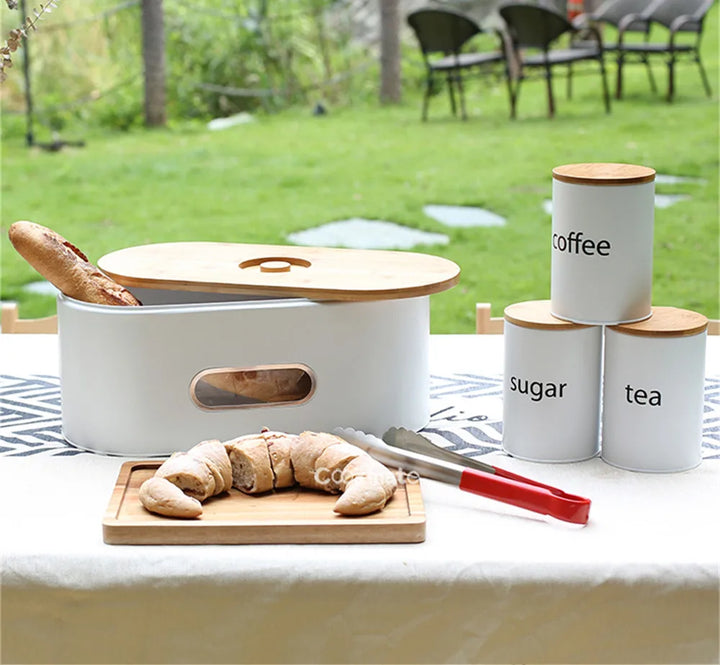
x: 233, y: 387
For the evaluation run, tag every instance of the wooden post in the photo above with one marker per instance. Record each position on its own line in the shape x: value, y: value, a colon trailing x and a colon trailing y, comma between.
x: 390, y: 83
x: 153, y: 44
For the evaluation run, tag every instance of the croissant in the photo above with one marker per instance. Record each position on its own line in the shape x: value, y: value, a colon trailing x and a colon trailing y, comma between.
x: 258, y: 463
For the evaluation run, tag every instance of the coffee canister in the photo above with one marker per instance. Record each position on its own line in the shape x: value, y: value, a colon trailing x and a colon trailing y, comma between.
x: 551, y: 385
x: 653, y: 392
x: 602, y: 242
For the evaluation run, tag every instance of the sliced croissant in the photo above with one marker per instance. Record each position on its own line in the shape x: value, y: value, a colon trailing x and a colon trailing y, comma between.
x: 214, y: 455
x: 251, y: 466
x: 188, y: 473
x: 257, y: 463
x: 279, y: 446
x: 366, y: 487
x: 160, y: 496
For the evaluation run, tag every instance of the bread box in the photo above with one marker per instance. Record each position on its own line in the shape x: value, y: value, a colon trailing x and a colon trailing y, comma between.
x: 232, y: 338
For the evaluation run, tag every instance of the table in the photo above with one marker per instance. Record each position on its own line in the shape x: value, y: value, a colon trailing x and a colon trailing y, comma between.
x: 490, y: 584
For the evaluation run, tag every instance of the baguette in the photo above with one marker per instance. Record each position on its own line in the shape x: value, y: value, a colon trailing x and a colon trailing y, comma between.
x: 65, y: 266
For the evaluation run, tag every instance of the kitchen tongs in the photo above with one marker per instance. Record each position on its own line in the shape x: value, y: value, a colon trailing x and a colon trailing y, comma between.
x: 488, y: 481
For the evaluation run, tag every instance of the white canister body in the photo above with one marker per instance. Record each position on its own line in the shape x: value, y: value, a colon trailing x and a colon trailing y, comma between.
x: 129, y: 373
x: 551, y: 385
x: 602, y: 242
x: 653, y: 392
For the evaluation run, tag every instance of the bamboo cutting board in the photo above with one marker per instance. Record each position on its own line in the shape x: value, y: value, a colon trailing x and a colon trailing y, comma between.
x: 295, y: 515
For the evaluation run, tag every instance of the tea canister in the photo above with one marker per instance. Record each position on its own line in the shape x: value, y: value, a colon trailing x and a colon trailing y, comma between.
x: 602, y: 242
x: 551, y: 385
x: 233, y: 337
x: 653, y: 392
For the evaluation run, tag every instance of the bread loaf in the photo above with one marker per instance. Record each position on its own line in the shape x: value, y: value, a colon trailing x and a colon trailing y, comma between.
x: 289, y: 384
x: 65, y: 266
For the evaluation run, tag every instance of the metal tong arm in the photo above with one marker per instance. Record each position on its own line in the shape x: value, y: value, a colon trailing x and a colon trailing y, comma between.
x: 499, y: 485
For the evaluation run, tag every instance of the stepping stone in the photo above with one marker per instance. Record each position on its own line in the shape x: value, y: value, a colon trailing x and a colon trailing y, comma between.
x: 463, y: 216
x: 661, y: 201
x: 358, y: 233
x: 661, y: 179
x: 41, y: 288
x: 232, y: 121
x: 666, y: 200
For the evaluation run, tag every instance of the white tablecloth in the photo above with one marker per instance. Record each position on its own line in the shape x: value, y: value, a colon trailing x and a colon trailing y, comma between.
x: 491, y: 584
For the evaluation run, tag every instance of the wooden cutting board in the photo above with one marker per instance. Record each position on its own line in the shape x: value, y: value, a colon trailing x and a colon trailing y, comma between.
x: 295, y: 515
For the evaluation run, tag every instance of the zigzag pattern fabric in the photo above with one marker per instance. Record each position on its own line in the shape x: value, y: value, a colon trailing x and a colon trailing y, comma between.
x: 466, y: 416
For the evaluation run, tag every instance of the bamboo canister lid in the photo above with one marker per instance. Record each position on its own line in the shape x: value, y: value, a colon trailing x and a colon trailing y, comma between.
x: 666, y: 322
x: 536, y: 314
x: 603, y: 174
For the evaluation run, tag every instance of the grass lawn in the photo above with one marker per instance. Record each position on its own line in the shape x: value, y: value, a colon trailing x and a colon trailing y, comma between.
x: 256, y: 183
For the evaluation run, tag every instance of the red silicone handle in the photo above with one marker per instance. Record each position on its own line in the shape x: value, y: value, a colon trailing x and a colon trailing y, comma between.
x: 523, y: 493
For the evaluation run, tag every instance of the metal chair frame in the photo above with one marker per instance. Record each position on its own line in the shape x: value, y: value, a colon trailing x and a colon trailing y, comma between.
x: 446, y: 32
x: 533, y: 33
x: 677, y: 17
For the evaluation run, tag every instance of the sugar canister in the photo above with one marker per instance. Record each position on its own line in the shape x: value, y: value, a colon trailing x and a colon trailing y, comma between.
x: 551, y: 387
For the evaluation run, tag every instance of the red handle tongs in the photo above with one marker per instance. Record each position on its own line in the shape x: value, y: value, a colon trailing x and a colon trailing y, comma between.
x: 525, y: 493
x: 411, y: 451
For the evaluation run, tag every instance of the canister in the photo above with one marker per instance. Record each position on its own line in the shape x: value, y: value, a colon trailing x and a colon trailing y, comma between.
x: 602, y: 242
x: 653, y: 392
x: 551, y: 385
x: 234, y: 337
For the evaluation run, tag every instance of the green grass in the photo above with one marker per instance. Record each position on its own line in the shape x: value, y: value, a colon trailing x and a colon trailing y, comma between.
x: 258, y: 182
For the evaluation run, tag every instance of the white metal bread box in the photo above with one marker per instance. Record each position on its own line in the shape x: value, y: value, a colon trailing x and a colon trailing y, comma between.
x: 232, y: 338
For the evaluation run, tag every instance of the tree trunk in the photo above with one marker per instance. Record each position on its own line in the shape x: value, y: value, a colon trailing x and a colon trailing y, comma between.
x: 153, y: 43
x: 390, y: 85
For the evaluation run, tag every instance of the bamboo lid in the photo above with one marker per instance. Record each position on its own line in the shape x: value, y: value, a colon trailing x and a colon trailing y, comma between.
x: 317, y: 273
x: 536, y: 314
x: 603, y: 174
x: 666, y: 322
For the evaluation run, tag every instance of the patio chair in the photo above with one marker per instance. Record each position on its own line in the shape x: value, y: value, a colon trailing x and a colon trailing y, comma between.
x: 533, y: 32
x: 443, y: 35
x: 678, y: 17
x: 626, y: 16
